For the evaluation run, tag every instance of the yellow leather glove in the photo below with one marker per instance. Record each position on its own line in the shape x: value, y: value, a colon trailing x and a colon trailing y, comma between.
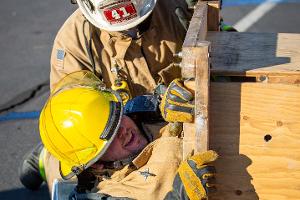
x: 176, y: 104
x: 196, y: 176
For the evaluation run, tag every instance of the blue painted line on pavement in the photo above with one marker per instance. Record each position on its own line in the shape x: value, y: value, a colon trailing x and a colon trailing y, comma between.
x: 249, y: 2
x: 19, y: 115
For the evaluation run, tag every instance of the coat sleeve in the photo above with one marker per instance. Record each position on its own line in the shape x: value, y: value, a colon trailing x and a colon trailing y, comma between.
x: 70, y: 51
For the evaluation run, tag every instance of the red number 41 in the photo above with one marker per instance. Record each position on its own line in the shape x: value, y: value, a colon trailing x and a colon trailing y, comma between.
x: 120, y: 13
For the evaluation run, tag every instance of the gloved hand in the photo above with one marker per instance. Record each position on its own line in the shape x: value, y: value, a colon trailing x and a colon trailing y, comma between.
x: 176, y: 105
x: 184, y: 17
x: 196, y: 176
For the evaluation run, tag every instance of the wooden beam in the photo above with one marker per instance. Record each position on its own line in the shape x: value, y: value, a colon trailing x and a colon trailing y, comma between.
x: 256, y: 54
x: 195, y: 64
x: 213, y: 16
x: 202, y: 81
x: 196, y: 33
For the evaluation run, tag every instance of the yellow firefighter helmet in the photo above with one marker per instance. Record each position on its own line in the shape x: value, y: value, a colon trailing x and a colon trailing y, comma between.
x: 79, y: 121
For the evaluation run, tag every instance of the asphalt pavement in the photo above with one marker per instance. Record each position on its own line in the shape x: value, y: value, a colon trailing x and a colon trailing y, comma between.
x: 27, y: 31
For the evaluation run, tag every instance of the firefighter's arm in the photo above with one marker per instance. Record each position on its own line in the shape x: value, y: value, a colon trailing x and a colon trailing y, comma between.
x: 71, y: 50
x: 86, y: 181
x: 195, y: 178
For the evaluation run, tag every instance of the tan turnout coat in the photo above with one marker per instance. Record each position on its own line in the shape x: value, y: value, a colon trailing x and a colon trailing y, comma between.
x: 144, y: 62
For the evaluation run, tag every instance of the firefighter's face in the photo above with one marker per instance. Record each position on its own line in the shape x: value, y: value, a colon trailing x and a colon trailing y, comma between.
x: 128, y: 141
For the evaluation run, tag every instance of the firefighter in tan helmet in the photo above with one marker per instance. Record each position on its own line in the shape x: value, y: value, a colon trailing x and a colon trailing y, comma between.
x: 83, y: 125
x: 133, y: 41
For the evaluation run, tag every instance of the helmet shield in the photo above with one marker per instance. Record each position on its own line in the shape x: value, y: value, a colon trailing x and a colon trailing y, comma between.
x: 81, y: 78
x: 116, y: 15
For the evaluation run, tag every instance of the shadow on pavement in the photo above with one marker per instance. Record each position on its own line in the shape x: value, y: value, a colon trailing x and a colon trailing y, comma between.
x: 22, y: 193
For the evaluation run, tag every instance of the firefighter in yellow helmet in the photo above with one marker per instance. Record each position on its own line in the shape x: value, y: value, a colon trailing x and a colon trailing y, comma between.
x: 129, y: 45
x: 83, y: 126
x: 78, y: 123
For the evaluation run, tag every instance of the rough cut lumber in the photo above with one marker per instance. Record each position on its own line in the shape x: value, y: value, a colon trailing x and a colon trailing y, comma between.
x: 270, y: 57
x: 274, y: 55
x: 197, y: 59
x: 198, y: 26
x: 213, y: 16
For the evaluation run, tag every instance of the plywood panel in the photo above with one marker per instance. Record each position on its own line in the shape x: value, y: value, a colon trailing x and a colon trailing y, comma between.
x: 255, y: 128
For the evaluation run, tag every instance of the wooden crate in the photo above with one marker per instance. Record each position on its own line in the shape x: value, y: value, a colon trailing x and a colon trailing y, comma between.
x: 255, y: 127
x: 251, y: 120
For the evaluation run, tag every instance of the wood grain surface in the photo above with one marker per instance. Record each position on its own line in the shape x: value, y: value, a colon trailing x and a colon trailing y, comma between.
x: 253, y: 54
x: 255, y: 128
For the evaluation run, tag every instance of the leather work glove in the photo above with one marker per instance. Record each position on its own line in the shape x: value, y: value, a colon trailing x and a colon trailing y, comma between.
x: 176, y: 105
x: 195, y: 178
x: 184, y: 17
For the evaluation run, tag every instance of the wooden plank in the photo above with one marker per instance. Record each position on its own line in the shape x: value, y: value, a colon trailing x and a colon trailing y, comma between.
x: 197, y: 140
x: 255, y: 54
x: 195, y: 64
x: 198, y: 26
x: 213, y: 16
x: 202, y: 81
x: 196, y: 33
x: 189, y: 129
x: 255, y: 128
